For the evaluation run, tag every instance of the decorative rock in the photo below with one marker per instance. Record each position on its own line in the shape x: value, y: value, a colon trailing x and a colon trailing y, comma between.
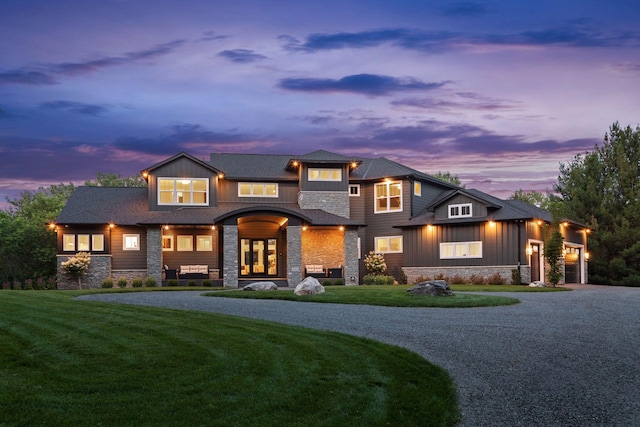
x: 537, y: 284
x: 309, y: 286
x: 261, y: 286
x: 432, y: 288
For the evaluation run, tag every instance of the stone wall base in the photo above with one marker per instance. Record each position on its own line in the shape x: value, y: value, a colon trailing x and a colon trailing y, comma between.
x: 414, y: 274
x: 99, y: 269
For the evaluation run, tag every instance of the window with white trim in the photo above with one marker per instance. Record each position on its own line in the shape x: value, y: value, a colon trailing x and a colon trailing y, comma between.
x: 456, y: 250
x: 354, y: 190
x: 204, y: 243
x: 183, y: 191
x: 68, y: 242
x: 417, y: 188
x: 325, y: 174
x: 462, y: 210
x: 130, y: 242
x: 388, y: 244
x: 388, y: 197
x: 185, y: 243
x: 167, y: 243
x: 257, y: 189
x: 83, y: 242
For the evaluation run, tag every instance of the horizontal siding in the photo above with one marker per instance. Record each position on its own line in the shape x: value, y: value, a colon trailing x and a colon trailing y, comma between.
x: 176, y: 258
x: 128, y: 260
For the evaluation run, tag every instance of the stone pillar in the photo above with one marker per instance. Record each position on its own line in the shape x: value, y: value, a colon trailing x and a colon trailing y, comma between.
x: 230, y: 256
x: 351, y: 262
x: 154, y: 253
x: 294, y: 255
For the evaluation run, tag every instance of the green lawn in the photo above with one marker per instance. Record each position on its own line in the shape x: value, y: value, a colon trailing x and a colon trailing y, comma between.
x: 393, y: 296
x: 77, y: 363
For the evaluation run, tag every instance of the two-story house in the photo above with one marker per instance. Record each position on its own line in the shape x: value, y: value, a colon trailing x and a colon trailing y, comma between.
x: 244, y: 217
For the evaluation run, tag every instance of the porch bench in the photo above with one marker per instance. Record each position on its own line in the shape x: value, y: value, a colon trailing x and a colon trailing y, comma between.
x: 316, y: 271
x: 193, y: 272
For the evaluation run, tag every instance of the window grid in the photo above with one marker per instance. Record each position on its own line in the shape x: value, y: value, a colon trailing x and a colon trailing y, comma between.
x: 388, y: 244
x: 388, y: 197
x: 325, y: 174
x: 183, y: 191
x: 461, y: 210
x: 257, y: 189
x: 456, y: 250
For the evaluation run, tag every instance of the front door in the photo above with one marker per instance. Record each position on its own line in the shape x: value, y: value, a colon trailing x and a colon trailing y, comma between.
x: 258, y: 257
x: 572, y: 265
x: 535, y: 262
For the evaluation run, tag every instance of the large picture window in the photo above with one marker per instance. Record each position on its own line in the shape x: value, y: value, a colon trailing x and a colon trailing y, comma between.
x: 456, y: 250
x: 257, y: 189
x: 388, y: 197
x: 325, y: 174
x: 183, y: 191
x: 388, y: 244
x: 460, y: 211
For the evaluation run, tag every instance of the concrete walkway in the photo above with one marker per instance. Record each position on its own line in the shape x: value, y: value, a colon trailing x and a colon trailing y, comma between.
x: 556, y: 359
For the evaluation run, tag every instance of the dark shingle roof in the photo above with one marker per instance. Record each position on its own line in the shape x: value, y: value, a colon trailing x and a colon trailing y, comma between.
x: 253, y: 166
x: 104, y: 205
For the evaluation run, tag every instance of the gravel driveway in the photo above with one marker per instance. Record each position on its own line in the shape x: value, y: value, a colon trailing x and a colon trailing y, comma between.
x: 556, y: 359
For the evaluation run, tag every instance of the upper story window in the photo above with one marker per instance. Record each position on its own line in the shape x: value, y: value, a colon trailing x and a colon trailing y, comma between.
x: 325, y: 174
x: 388, y: 197
x: 183, y: 191
x: 257, y: 189
x: 460, y: 211
x: 354, y: 190
x: 417, y: 188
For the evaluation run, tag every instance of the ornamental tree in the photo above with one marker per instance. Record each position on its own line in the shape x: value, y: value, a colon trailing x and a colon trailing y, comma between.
x: 77, y: 266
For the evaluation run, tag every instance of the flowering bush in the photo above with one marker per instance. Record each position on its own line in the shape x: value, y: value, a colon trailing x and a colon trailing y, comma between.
x: 77, y: 265
x: 374, y: 263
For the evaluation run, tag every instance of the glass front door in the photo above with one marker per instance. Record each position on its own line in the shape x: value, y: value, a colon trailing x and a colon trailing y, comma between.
x: 258, y: 257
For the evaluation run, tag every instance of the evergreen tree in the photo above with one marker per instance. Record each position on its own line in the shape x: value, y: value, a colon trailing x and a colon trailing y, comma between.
x: 602, y: 190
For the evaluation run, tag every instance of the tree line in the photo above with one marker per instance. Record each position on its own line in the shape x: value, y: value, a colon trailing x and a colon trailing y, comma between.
x: 598, y: 188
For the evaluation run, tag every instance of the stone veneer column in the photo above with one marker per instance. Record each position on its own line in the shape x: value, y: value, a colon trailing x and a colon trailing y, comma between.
x: 294, y: 255
x: 154, y: 253
x: 230, y: 256
x: 351, y: 262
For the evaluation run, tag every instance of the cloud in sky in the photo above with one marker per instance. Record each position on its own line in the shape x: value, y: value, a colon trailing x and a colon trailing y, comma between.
x: 365, y: 84
x: 241, y: 56
x: 464, y: 9
x: 76, y: 107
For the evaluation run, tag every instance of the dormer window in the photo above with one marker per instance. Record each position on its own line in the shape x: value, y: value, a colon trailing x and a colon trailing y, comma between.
x: 325, y: 174
x: 462, y: 210
x: 183, y: 191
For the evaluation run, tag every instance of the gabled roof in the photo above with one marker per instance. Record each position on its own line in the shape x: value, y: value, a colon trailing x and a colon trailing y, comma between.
x: 180, y: 155
x: 321, y: 157
x: 479, y: 196
x: 381, y: 167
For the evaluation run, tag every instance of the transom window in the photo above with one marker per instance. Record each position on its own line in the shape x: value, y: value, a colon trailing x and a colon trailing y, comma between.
x: 388, y: 197
x: 183, y: 191
x: 460, y: 211
x: 257, y: 189
x: 460, y: 250
x: 388, y: 244
x: 325, y: 174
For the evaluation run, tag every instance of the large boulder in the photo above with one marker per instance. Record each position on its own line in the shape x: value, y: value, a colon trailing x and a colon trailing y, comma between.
x: 309, y: 286
x: 434, y: 288
x: 261, y: 286
x: 537, y: 284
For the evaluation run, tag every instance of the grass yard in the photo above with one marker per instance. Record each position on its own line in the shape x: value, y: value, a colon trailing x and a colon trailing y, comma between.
x: 78, y: 363
x: 391, y: 296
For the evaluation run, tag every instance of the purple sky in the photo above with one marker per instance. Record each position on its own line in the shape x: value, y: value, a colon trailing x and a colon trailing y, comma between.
x: 496, y: 92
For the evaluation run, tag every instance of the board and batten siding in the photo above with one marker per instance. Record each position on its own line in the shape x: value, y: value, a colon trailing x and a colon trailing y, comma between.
x: 478, y: 210
x: 306, y: 185
x: 429, y: 193
x: 499, y: 243
x: 181, y: 168
x: 130, y: 259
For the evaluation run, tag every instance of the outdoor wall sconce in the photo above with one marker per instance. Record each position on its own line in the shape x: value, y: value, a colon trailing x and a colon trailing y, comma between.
x: 529, y: 250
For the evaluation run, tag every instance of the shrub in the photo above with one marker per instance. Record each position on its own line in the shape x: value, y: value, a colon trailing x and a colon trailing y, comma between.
x: 207, y: 283
x: 421, y: 279
x: 516, y: 277
x: 137, y: 282
x: 122, y: 282
x: 16, y: 285
x: 327, y: 282
x: 339, y: 282
x: 192, y: 283
x: 374, y: 263
x: 107, y: 283
x: 383, y: 280
x: 52, y: 283
x: 496, y: 279
x: 440, y: 276
x: 403, y: 278
x: 28, y: 284
x: 476, y: 279
x: 368, y: 279
x: 172, y: 282
x: 40, y: 284
x: 6, y: 285
x: 456, y: 280
x: 150, y: 282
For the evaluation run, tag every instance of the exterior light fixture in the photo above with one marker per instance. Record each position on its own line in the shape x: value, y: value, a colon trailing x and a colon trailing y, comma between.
x: 145, y: 174
x: 586, y: 256
x: 566, y: 224
x: 529, y: 250
x: 492, y: 223
x: 166, y: 227
x: 52, y: 226
x: 304, y: 228
x: 341, y: 228
x: 213, y: 227
x: 587, y: 230
x: 539, y: 222
x: 220, y: 176
x: 429, y: 227
x: 111, y: 225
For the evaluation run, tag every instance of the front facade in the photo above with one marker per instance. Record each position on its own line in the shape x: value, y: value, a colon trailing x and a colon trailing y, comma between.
x: 238, y: 218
